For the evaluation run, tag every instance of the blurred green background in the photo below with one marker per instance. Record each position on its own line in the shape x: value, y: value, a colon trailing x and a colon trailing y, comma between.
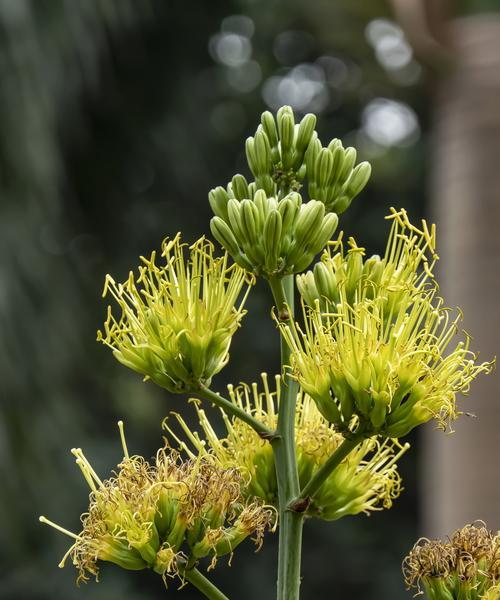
x: 116, y: 118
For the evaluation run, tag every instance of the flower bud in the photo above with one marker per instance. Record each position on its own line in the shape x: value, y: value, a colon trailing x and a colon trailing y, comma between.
x: 223, y: 234
x: 304, y: 136
x: 262, y: 152
x: 269, y: 127
x: 218, y: 199
x: 239, y: 188
x: 357, y: 180
x: 286, y: 128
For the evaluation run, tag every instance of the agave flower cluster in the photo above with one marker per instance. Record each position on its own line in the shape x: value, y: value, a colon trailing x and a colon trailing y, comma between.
x: 465, y: 566
x: 265, y: 225
x: 378, y: 344
x: 376, y: 356
x: 164, y: 516
x: 365, y: 481
x: 177, y: 319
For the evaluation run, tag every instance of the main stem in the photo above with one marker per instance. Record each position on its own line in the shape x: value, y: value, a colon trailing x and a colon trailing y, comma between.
x: 290, y: 522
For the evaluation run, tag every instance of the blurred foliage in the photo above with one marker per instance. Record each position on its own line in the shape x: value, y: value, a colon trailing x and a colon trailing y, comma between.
x: 117, y: 117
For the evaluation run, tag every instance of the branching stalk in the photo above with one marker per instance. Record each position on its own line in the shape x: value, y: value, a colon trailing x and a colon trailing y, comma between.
x: 235, y: 411
x: 204, y: 585
x: 301, y: 503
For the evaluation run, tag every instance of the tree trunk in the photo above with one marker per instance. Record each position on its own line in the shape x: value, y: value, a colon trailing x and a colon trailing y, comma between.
x: 461, y: 472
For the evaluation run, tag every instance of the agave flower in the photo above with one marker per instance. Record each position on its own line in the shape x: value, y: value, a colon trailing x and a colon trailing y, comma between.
x: 365, y: 481
x: 177, y: 319
x: 408, y: 263
x: 162, y: 515
x: 385, y: 352
x: 466, y: 566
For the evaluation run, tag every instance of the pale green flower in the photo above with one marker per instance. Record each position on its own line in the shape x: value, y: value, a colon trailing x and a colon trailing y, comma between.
x: 407, y: 263
x: 385, y: 352
x: 365, y: 481
x: 178, y: 318
x: 467, y: 566
x: 151, y: 515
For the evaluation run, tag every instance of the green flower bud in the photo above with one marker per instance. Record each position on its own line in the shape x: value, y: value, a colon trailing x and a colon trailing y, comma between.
x: 250, y: 223
x: 348, y: 159
x: 262, y: 153
x: 289, y: 209
x: 310, y: 217
x: 272, y: 239
x: 218, y: 199
x: 357, y: 180
x: 223, y: 234
x: 235, y: 220
x: 304, y: 137
x: 323, y: 168
x: 269, y: 127
x: 252, y: 160
x: 286, y: 128
x: 306, y: 284
x: 239, y: 188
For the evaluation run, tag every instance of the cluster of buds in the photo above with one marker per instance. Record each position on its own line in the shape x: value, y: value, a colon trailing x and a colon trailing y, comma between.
x: 386, y: 358
x: 164, y: 516
x: 365, y: 481
x: 272, y: 237
x: 332, y: 175
x: 276, y: 153
x: 264, y: 224
x: 466, y: 566
x: 177, y: 320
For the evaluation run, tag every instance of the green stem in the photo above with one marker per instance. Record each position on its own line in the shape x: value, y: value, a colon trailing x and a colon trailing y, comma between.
x: 200, y: 582
x: 232, y: 409
x: 290, y: 529
x: 307, y: 493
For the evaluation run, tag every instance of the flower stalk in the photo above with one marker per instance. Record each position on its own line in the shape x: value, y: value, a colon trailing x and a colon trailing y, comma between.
x: 232, y: 409
x: 291, y: 522
x: 301, y: 503
x: 200, y: 582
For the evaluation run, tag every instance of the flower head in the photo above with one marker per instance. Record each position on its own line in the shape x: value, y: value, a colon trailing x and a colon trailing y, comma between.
x: 407, y: 264
x: 468, y: 562
x: 366, y: 480
x: 264, y: 224
x: 382, y: 350
x: 177, y: 319
x: 161, y: 514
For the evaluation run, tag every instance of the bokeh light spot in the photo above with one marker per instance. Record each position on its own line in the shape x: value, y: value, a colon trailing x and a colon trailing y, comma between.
x: 390, y: 123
